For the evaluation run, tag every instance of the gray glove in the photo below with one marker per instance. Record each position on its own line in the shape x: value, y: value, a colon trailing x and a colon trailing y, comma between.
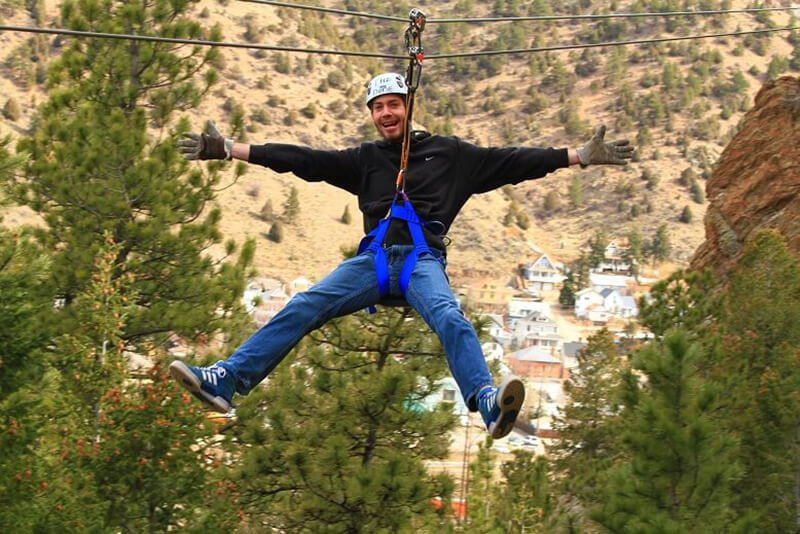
x: 204, y: 146
x: 598, y: 152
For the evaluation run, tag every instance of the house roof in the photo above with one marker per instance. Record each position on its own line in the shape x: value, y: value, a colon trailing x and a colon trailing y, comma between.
x: 541, y: 262
x: 607, y: 291
x: 571, y: 348
x: 534, y: 354
x: 609, y: 280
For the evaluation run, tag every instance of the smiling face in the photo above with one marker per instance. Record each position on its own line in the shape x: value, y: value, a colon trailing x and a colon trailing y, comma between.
x: 388, y: 112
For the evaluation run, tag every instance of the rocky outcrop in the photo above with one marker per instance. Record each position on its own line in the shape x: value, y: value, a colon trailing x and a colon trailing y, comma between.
x: 756, y: 183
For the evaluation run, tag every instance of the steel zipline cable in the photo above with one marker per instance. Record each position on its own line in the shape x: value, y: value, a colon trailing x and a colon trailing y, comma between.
x: 194, y: 42
x: 607, y: 43
x: 256, y: 46
x: 531, y: 18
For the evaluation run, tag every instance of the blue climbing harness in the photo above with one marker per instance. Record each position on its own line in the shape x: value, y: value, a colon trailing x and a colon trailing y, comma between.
x: 373, y: 242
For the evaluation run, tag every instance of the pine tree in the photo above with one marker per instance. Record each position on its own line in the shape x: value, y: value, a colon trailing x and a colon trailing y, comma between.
x: 551, y: 202
x: 566, y: 296
x: 346, y: 218
x: 697, y: 192
x: 683, y: 465
x: 25, y: 317
x: 582, y: 270
x: 93, y: 168
x: 276, y: 232
x: 11, y: 110
x: 598, y: 243
x: 685, y: 301
x: 336, y: 440
x: 131, y: 454
x: 483, y: 491
x: 634, y: 254
x: 757, y: 366
x: 291, y: 208
x: 524, y: 501
x: 660, y: 246
x: 575, y: 192
x: 588, y: 426
x: 267, y: 213
x: 686, y: 215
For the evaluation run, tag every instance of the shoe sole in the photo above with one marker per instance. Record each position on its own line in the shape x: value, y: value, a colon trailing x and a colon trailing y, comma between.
x: 510, y: 397
x: 186, y: 378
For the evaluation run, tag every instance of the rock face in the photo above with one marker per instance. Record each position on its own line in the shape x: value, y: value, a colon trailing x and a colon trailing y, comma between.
x: 757, y: 180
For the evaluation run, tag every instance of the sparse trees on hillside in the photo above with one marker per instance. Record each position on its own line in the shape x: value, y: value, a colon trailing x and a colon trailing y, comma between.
x: 11, y: 110
x: 659, y: 247
x: 575, y: 192
x: 291, y: 208
x: 551, y: 202
x: 276, y: 232
x: 697, y: 193
x: 686, y: 215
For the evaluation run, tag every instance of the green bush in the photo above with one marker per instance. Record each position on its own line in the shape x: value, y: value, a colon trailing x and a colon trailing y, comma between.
x: 11, y: 110
x: 310, y: 111
x: 276, y: 232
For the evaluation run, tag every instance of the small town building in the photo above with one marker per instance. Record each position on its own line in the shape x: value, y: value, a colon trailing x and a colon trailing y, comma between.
x: 541, y: 274
x: 536, y: 363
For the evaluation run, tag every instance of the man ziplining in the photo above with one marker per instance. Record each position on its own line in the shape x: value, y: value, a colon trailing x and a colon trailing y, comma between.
x: 444, y: 172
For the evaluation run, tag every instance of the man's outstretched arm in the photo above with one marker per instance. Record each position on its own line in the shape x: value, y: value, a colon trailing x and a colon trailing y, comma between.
x: 336, y: 167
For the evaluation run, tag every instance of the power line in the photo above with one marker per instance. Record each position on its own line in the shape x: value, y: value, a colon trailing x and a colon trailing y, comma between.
x: 598, y: 45
x: 256, y: 46
x: 531, y: 18
x: 598, y: 16
x: 195, y: 42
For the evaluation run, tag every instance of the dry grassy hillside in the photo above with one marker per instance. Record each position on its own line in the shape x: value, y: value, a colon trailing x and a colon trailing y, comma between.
x: 319, y: 102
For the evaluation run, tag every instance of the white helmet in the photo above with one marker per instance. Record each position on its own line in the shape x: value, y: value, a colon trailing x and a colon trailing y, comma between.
x: 387, y: 83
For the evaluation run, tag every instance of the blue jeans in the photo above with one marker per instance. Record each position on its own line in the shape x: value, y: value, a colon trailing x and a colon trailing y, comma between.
x: 353, y: 286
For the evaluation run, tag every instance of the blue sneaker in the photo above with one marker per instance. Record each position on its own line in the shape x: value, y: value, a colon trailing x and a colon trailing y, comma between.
x: 500, y: 406
x: 212, y: 385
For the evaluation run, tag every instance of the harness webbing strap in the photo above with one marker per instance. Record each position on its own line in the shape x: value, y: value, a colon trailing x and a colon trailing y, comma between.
x: 374, y: 241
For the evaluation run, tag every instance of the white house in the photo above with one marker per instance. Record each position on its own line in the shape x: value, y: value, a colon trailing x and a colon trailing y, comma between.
x: 612, y: 301
x: 598, y: 314
x: 629, y: 307
x: 585, y: 299
x: 599, y: 282
x: 522, y: 306
x: 535, y: 329
x: 497, y: 329
x: 614, y: 260
x: 541, y: 274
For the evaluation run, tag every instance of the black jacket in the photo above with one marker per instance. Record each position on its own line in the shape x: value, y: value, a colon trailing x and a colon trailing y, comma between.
x: 443, y: 172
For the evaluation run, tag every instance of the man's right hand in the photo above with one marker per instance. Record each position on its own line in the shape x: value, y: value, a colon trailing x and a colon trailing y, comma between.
x: 204, y: 146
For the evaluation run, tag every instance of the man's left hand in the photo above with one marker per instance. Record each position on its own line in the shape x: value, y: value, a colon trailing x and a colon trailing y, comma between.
x: 598, y: 152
